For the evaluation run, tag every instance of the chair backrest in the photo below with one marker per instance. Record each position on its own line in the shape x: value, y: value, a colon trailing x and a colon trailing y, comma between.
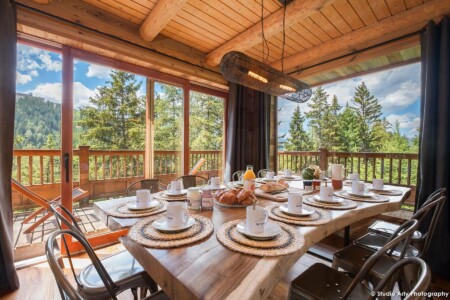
x: 192, y: 180
x: 236, y: 175
x: 146, y: 184
x: 262, y: 173
x: 66, y: 289
x: 421, y: 284
x: 72, y: 224
x: 402, y: 234
x: 29, y: 193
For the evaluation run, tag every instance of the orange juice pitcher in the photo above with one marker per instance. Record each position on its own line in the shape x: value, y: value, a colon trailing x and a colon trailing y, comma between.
x: 249, y: 179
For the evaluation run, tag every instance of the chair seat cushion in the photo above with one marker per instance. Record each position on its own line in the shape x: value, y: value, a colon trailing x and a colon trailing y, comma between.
x: 120, y: 267
x: 375, y: 242
x: 322, y: 282
x: 387, y: 228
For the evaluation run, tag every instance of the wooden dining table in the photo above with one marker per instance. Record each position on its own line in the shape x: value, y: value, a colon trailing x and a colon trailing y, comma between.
x: 209, y: 270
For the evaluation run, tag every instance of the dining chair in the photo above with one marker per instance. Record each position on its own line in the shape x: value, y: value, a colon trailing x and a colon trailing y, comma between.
x: 153, y: 184
x: 77, y: 194
x: 110, y: 288
x: 193, y: 181
x: 262, y: 173
x: 237, y: 175
x: 123, y: 269
x: 322, y: 282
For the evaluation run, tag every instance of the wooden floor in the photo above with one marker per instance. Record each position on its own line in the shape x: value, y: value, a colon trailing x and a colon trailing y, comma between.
x: 32, y: 244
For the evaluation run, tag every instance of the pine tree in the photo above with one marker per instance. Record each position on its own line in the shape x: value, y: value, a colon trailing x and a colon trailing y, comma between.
x: 318, y: 108
x: 368, y: 113
x: 115, y: 118
x: 395, y: 141
x: 348, y: 132
x: 330, y: 138
x: 298, y: 139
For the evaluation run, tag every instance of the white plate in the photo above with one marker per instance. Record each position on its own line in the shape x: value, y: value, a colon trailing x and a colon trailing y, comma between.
x: 305, y: 211
x: 161, y: 225
x: 365, y: 195
x: 133, y: 206
x: 182, y: 193
x: 230, y: 205
x: 271, y: 231
x: 334, y: 201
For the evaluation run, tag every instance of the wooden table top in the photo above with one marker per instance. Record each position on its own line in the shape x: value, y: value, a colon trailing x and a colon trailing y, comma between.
x: 208, y: 270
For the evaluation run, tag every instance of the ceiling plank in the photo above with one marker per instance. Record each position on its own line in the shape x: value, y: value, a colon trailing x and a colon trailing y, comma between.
x: 159, y: 17
x: 389, y: 28
x: 295, y: 12
x: 42, y: 1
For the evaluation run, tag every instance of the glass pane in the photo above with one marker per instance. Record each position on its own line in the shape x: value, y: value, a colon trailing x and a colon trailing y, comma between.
x: 206, y: 114
x: 168, y: 139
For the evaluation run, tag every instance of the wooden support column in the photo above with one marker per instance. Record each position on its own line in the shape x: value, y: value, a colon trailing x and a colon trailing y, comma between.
x: 186, y: 148
x: 84, y: 167
x: 323, y: 159
x: 149, y: 129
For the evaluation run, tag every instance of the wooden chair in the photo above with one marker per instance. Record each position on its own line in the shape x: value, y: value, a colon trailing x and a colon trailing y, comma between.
x: 77, y: 194
x: 192, y: 181
x: 154, y: 185
x: 197, y: 166
x: 236, y: 175
x: 262, y: 173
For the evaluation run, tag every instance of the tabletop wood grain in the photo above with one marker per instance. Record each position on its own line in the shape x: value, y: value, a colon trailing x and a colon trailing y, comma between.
x: 208, y: 270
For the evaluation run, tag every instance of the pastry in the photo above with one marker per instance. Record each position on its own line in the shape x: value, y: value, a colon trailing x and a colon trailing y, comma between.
x: 269, y: 187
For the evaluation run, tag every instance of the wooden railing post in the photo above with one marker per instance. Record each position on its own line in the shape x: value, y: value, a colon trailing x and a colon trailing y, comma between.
x: 84, y: 167
x: 323, y: 159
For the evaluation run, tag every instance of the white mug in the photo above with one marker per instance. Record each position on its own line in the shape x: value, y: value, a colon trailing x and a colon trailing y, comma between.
x: 214, y: 182
x: 358, y: 187
x: 287, y: 173
x: 177, y: 214
x: 326, y: 193
x: 175, y: 186
x: 354, y: 177
x: 378, y: 184
x: 270, y: 175
x: 295, y: 202
x: 256, y: 219
x: 143, y: 198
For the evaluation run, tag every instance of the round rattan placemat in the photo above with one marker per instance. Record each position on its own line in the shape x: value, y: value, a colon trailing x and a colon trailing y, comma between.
x: 387, y: 192
x: 162, y: 195
x: 373, y: 199
x: 318, y: 218
x: 346, y: 204
x: 143, y: 233
x: 121, y: 210
x: 287, y: 242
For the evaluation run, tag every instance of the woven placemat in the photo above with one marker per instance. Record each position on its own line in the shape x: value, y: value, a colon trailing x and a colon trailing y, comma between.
x: 287, y: 242
x: 122, y: 211
x: 162, y: 195
x: 143, y: 233
x: 344, y: 205
x: 319, y: 217
x: 372, y: 199
x: 387, y: 192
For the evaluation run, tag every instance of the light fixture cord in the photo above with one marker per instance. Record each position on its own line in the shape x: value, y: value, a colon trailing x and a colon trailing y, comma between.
x: 265, y: 44
x: 284, y: 36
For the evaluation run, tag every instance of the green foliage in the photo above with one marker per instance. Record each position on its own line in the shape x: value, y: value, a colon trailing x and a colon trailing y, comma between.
x: 298, y: 139
x: 318, y: 107
x: 348, y: 131
x: 115, y: 118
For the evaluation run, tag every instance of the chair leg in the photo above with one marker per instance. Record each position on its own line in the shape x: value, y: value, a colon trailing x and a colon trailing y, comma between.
x: 34, y: 215
x: 143, y: 293
x: 134, y: 292
x: 38, y: 222
x: 334, y: 264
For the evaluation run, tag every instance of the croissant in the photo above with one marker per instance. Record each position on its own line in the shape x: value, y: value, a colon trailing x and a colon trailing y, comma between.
x: 227, y: 198
x: 243, y: 194
x: 274, y: 186
x: 248, y: 201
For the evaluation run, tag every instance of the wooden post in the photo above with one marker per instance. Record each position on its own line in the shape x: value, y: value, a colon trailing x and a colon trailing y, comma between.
x: 84, y: 167
x: 186, y: 149
x: 149, y: 129
x: 323, y: 159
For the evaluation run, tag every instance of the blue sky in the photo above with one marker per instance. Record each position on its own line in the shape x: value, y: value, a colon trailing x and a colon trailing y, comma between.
x: 397, y: 89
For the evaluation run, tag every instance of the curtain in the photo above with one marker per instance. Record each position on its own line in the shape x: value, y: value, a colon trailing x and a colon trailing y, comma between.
x: 248, y: 129
x: 434, y: 143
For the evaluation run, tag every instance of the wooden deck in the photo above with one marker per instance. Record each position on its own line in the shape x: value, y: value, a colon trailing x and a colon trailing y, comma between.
x: 32, y: 244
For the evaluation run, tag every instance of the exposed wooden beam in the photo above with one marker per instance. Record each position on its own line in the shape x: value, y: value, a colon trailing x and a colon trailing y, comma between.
x: 273, y: 24
x: 49, y: 28
x: 389, y: 28
x: 360, y: 56
x: 42, y: 1
x: 84, y: 14
x: 158, y: 18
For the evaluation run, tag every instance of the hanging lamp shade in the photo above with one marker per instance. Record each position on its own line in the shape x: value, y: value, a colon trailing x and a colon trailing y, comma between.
x: 239, y: 68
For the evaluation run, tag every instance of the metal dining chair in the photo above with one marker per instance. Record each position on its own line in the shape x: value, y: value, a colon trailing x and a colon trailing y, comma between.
x: 123, y: 269
x: 322, y: 282
x: 262, y: 173
x: 193, y: 180
x: 66, y: 289
x: 237, y: 175
x: 154, y: 185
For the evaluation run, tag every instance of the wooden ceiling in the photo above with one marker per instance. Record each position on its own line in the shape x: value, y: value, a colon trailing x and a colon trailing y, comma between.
x: 320, y: 36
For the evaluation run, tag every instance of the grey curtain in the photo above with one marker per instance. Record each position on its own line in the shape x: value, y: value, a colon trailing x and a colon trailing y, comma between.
x: 434, y: 143
x: 248, y: 129
x: 8, y: 38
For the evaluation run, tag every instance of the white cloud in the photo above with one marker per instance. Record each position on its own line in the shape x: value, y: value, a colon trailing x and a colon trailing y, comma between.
x: 53, y: 92
x: 50, y: 64
x: 408, y: 122
x: 98, y: 71
x: 34, y: 73
x: 32, y: 59
x: 22, y: 78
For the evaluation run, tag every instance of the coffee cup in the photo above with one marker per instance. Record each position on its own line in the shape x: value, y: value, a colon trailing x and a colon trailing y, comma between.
x: 143, y: 198
x: 177, y: 214
x: 295, y: 202
x: 354, y: 177
x: 358, y: 187
x: 256, y: 219
x: 214, y: 182
x: 378, y: 184
x: 326, y: 193
x: 287, y: 173
x: 270, y: 175
x: 175, y: 187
